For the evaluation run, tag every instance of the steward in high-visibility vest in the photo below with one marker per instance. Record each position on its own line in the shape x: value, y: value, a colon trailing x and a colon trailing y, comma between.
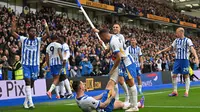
x: 17, y: 69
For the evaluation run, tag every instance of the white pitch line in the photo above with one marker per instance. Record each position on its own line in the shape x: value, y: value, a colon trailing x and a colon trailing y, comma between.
x: 146, y: 94
x: 194, y: 107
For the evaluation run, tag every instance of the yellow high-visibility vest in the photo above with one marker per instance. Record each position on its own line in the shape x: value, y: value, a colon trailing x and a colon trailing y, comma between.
x: 191, y: 71
x: 18, y: 73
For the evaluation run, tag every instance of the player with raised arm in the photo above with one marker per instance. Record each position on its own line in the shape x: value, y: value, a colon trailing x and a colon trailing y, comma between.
x: 104, y: 102
x: 182, y: 47
x: 30, y: 58
x: 117, y: 48
x: 116, y: 31
x: 136, y: 53
x: 55, y: 63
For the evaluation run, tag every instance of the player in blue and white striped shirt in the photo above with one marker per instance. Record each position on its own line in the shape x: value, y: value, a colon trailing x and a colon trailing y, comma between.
x: 182, y: 46
x: 30, y: 58
x: 54, y: 60
x: 136, y: 53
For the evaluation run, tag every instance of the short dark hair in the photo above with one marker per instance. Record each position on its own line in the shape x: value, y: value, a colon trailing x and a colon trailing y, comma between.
x: 75, y: 85
x: 32, y: 28
x: 102, y: 31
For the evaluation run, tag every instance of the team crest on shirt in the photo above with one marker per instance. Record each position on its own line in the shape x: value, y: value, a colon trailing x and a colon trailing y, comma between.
x: 185, y: 69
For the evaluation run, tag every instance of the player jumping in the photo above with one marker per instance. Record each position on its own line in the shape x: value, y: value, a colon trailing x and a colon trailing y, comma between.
x: 182, y: 46
x: 55, y: 63
x: 136, y: 53
x: 30, y: 58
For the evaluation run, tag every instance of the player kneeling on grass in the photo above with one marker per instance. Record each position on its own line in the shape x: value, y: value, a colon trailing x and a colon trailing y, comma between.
x: 104, y: 102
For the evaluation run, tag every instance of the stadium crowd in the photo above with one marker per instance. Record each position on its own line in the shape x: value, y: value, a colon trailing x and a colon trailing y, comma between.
x: 87, y: 57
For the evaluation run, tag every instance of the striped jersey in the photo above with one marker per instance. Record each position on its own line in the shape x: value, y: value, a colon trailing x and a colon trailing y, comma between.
x: 65, y: 49
x: 52, y: 50
x: 30, y: 51
x: 121, y: 37
x: 117, y: 45
x: 135, y: 53
x: 182, y: 47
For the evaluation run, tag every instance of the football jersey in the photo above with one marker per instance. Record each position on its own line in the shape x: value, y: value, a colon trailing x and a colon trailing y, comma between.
x: 118, y: 45
x: 52, y: 50
x: 87, y: 103
x: 135, y: 53
x: 30, y: 51
x: 182, y: 47
x: 65, y: 49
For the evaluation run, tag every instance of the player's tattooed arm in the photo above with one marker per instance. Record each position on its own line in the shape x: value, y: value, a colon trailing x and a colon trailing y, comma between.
x: 165, y: 50
x: 195, y: 55
x: 13, y: 27
x: 47, y: 60
x: 116, y: 63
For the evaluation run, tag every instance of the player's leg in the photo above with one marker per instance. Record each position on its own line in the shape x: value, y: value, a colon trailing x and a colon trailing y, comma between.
x: 57, y: 90
x: 66, y: 82
x: 185, y: 72
x: 131, y: 72
x: 116, y: 88
x: 176, y: 70
x: 125, y: 88
x: 139, y: 80
x: 55, y: 71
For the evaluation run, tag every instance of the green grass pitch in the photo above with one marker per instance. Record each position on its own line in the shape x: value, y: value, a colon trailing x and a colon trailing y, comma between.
x: 155, y: 101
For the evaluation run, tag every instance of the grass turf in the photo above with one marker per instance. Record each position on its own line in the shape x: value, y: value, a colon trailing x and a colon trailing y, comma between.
x: 155, y: 101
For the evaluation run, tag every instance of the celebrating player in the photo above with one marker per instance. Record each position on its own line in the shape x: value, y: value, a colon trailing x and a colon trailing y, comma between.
x: 136, y: 53
x: 116, y: 31
x: 30, y: 58
x: 55, y: 63
x: 64, y: 82
x: 182, y: 46
x: 103, y: 103
x: 117, y: 48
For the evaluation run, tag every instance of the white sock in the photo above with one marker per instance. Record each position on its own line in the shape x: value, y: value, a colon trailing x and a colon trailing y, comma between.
x: 62, y: 88
x: 138, y: 104
x: 174, y: 82
x: 140, y: 88
x: 28, y: 94
x: 26, y: 100
x: 187, y: 84
x: 116, y: 88
x: 53, y: 86
x: 133, y: 96
x: 67, y: 85
x: 57, y: 90
x: 125, y: 88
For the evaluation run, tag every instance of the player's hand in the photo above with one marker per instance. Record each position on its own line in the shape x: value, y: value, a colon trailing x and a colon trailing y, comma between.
x: 95, y: 30
x: 44, y: 22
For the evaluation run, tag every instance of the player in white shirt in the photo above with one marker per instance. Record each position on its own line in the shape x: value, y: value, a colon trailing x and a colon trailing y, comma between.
x: 104, y: 102
x: 116, y: 31
x: 182, y: 46
x: 121, y: 56
x: 64, y: 82
x: 54, y: 60
x: 136, y: 53
x: 30, y: 58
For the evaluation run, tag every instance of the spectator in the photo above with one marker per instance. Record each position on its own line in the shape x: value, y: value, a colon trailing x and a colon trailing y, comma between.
x: 1, y: 74
x: 5, y: 68
x: 17, y: 69
x: 97, y: 66
x: 85, y: 67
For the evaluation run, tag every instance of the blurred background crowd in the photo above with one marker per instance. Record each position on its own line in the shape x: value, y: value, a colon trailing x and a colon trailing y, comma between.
x: 87, y: 56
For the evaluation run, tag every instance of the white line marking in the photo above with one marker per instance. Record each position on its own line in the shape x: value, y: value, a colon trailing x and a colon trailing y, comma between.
x: 194, y: 107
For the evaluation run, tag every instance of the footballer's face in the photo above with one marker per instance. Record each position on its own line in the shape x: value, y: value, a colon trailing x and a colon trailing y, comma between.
x: 82, y: 86
x: 32, y: 32
x: 133, y: 41
x: 116, y: 29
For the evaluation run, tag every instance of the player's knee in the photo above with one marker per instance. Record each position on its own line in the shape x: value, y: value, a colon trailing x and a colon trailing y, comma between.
x: 121, y: 80
x: 28, y: 82
x: 130, y: 82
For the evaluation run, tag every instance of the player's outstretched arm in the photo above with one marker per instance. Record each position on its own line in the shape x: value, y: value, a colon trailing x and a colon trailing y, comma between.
x: 195, y: 55
x: 13, y: 28
x: 98, y: 97
x: 107, y: 102
x: 47, y: 31
x: 165, y: 50
x: 116, y: 63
